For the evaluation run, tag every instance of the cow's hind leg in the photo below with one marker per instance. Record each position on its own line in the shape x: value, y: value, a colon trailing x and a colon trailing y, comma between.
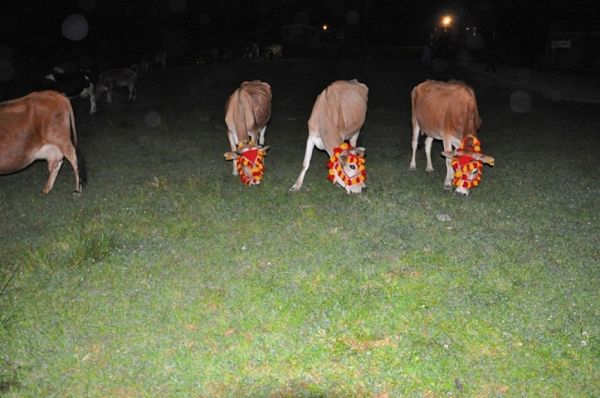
x: 80, y: 173
x: 53, y: 155
x: 428, y: 142
x: 310, y: 145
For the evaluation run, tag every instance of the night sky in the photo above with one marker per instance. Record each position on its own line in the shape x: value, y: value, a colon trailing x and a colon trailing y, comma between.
x: 37, y: 34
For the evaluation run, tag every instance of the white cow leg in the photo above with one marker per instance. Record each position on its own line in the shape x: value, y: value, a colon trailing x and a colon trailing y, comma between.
x: 354, y: 139
x: 261, y: 139
x: 233, y: 145
x: 449, y: 169
x: 305, y: 164
x: 415, y: 142
x: 109, y: 95
x: 428, y: 142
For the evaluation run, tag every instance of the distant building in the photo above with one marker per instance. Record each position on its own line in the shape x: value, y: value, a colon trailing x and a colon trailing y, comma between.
x: 573, y: 51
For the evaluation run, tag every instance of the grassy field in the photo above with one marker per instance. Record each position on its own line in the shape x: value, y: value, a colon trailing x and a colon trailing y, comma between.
x: 168, y: 278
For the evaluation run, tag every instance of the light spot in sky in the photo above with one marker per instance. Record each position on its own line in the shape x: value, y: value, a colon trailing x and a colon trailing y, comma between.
x: 520, y: 101
x: 75, y: 27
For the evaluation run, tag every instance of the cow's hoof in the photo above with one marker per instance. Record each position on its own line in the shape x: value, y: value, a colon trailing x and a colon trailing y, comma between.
x: 448, y: 187
x: 76, y: 194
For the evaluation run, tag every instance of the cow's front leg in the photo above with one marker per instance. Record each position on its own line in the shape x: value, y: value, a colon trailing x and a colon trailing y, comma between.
x: 109, y: 96
x: 233, y: 141
x: 261, y: 139
x: 354, y: 139
x: 310, y: 145
x: 449, y: 169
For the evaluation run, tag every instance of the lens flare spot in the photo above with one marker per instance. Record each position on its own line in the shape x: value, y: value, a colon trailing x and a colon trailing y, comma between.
x: 520, y: 101
x: 75, y: 27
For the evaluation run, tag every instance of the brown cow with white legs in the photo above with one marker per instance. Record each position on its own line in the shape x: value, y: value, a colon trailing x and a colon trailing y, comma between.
x: 40, y: 125
x: 447, y: 111
x: 247, y: 112
x: 337, y: 116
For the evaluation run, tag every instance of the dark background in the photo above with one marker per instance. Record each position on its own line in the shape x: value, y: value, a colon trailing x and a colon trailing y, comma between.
x: 119, y: 32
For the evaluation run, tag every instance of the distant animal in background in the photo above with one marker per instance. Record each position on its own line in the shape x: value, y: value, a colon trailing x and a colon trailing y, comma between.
x: 251, y: 52
x: 247, y: 113
x: 122, y: 77
x: 273, y: 51
x: 72, y: 82
x: 337, y: 116
x: 448, y: 111
x: 152, y: 59
x: 40, y: 126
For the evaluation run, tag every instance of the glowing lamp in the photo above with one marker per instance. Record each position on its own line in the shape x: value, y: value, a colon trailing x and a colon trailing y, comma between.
x: 446, y: 21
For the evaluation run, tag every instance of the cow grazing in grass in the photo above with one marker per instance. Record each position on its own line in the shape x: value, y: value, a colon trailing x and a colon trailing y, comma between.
x: 247, y: 112
x: 123, y: 77
x: 40, y: 125
x: 149, y: 60
x: 73, y: 82
x: 447, y: 111
x: 337, y: 116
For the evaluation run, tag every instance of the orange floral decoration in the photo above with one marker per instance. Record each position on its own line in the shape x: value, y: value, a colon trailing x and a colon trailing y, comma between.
x: 252, y: 159
x: 335, y: 169
x: 463, y: 165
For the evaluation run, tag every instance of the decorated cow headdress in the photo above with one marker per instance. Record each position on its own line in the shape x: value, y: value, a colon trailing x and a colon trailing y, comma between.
x: 467, y: 162
x: 347, y: 168
x: 249, y: 160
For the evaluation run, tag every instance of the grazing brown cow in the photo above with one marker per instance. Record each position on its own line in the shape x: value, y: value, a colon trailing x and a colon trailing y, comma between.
x: 247, y: 112
x: 446, y: 111
x: 337, y: 116
x: 123, y: 77
x: 40, y: 125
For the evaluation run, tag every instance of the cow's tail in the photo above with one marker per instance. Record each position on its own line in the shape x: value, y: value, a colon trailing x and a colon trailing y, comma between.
x: 81, y: 165
x: 472, y: 119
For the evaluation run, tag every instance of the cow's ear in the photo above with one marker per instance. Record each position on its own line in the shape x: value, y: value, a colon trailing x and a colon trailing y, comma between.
x: 230, y: 155
x: 343, y: 158
x: 448, y: 154
x: 264, y: 149
x: 360, y: 151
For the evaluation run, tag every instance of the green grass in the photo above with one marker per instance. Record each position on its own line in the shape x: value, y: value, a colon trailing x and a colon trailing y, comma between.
x: 169, y: 278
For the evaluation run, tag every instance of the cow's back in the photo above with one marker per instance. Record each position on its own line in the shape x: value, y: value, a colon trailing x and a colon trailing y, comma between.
x: 339, y: 112
x: 248, y: 108
x: 441, y: 107
x: 28, y: 123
